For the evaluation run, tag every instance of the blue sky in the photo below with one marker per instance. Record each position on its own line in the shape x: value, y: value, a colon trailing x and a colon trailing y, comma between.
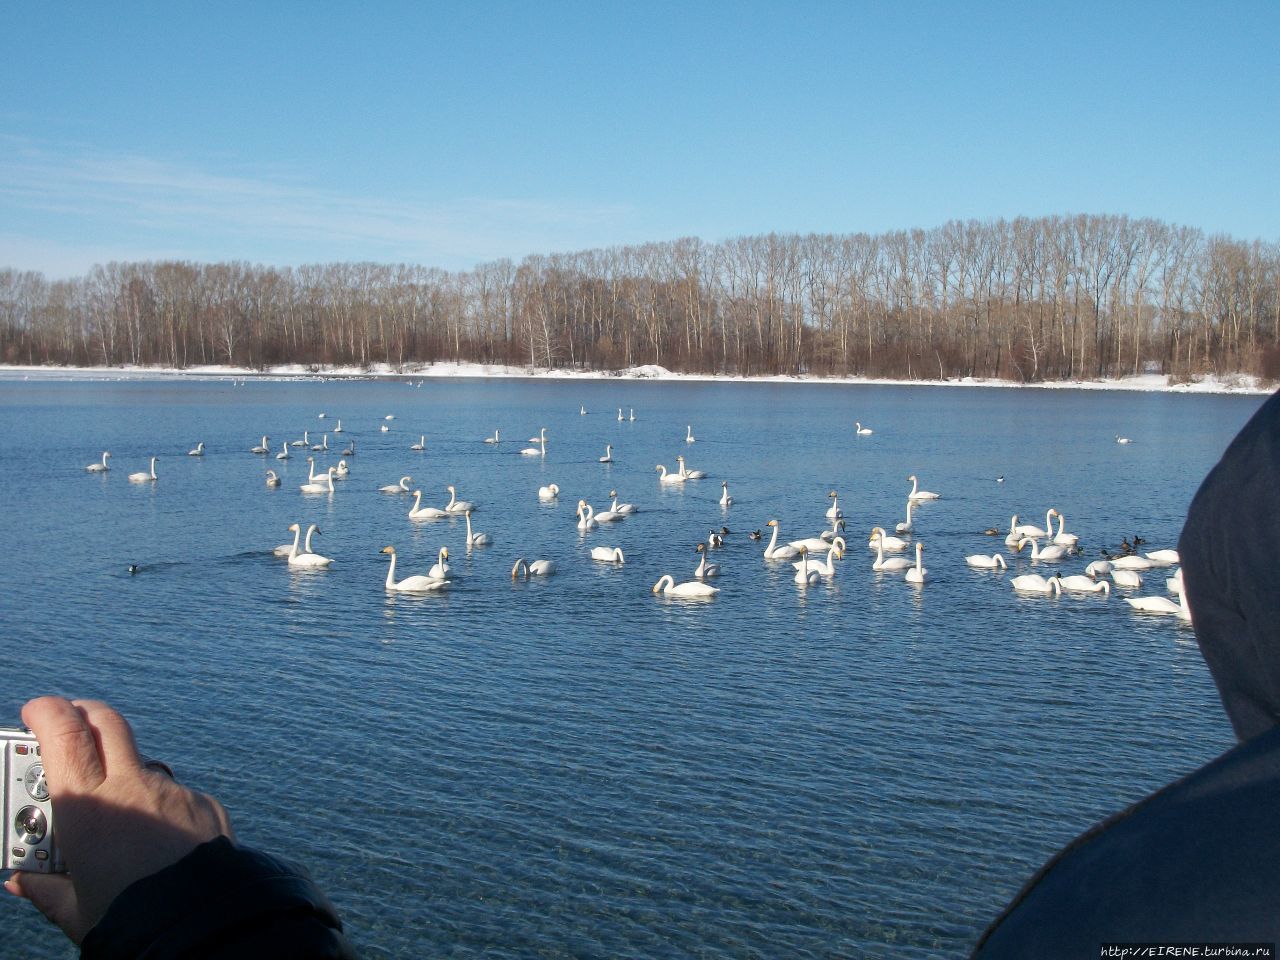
x: 451, y: 134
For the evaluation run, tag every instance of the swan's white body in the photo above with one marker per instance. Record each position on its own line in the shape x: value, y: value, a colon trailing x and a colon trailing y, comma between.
x: 1120, y: 439
x: 317, y: 487
x: 888, y: 564
x: 272, y: 479
x: 607, y: 554
x: 886, y: 542
x: 455, y: 505
x: 1046, y: 553
x: 775, y: 552
x: 669, y: 477
x: 389, y: 416
x: 1098, y: 568
x: 725, y: 499
x: 549, y: 492
x: 1161, y: 605
x: 608, y: 454
x: 983, y: 562
x: 805, y: 574
x: 384, y: 428
x: 690, y: 474
x: 1174, y: 584
x: 861, y: 430
x: 1131, y: 563
x: 1012, y: 538
x: 691, y: 589
x: 100, y: 467
x: 261, y: 448
x: 341, y: 471
x: 917, y: 494
x: 818, y: 544
x: 1078, y: 583
x: 1126, y: 578
x: 419, y: 512
x: 917, y: 573
x: 834, y: 512
x: 688, y: 436
x: 1062, y: 538
x: 585, y: 515
x: 1034, y: 583
x: 704, y: 569
x: 1031, y: 530
x: 440, y: 570
x: 420, y: 445
x: 142, y: 476
x: 1164, y: 558
x: 476, y: 539
x: 607, y: 516
x: 494, y: 439
x: 306, y: 561
x: 198, y: 451
x: 539, y: 568
x: 401, y: 487
x: 620, y: 508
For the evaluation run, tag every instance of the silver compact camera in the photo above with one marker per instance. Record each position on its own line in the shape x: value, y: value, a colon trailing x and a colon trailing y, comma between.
x: 28, y: 815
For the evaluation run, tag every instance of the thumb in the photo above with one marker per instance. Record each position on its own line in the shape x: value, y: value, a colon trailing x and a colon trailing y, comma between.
x: 55, y: 897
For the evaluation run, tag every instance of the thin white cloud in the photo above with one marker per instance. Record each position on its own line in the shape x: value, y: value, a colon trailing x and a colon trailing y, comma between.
x: 153, y: 204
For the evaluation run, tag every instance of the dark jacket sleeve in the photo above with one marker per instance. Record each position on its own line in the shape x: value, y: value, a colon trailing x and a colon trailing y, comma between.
x: 220, y: 901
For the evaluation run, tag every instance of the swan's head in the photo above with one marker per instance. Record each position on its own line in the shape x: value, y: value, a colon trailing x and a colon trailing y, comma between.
x: 700, y: 548
x: 660, y: 468
x: 555, y: 488
x: 912, y: 478
x: 106, y: 454
x: 444, y: 553
x: 294, y: 528
x: 613, y: 493
x: 832, y: 495
x: 772, y: 523
x: 450, y: 489
x: 389, y: 549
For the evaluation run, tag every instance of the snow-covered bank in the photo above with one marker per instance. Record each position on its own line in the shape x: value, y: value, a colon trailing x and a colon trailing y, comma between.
x: 1235, y: 383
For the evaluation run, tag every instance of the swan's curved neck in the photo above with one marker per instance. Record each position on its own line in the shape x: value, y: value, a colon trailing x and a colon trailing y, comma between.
x: 297, y: 535
x: 391, y: 572
x: 310, y: 530
x: 773, y: 541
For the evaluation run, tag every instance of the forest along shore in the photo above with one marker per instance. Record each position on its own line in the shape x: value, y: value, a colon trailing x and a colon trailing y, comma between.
x: 1152, y: 382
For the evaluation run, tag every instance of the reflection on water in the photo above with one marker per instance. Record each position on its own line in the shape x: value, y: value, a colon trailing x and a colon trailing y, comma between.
x: 572, y: 765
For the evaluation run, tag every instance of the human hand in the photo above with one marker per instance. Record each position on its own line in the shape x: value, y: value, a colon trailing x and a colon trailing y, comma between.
x: 115, y: 820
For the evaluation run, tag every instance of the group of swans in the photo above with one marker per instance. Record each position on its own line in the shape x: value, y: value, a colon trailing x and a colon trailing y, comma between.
x: 540, y: 440
x: 306, y: 560
x: 621, y: 417
x: 418, y: 583
x: 681, y: 476
x: 453, y: 508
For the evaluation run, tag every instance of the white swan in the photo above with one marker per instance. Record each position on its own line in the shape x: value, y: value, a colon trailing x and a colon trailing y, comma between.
x: 688, y: 436
x: 338, y: 428
x: 1161, y: 605
x: 1164, y: 558
x: 1174, y: 584
x: 917, y: 573
x: 1131, y: 563
x: 1062, y: 537
x: 261, y: 448
x: 834, y: 512
x: 440, y: 570
x: 825, y: 568
x: 582, y: 410
x: 476, y: 539
x: 539, y: 568
x: 883, y: 540
x: 272, y: 479
x: 549, y: 492
x: 455, y: 505
x: 818, y: 544
x: 1046, y: 553
x: 607, y: 554
x: 983, y: 562
x: 1098, y: 568
x: 323, y: 447
x: 284, y: 452
x: 1078, y: 583
x: 419, y: 512
x: 692, y: 589
x: 725, y: 499
x: 142, y: 476
x: 341, y: 471
x: 306, y: 561
x: 704, y: 569
x: 888, y: 564
x: 633, y: 413
x: 906, y: 525
x: 401, y: 487
x: 669, y: 477
x: 1034, y: 583
x: 837, y: 530
x: 1013, y: 536
x: 806, y: 575
x: 389, y: 416
x: 1126, y: 578
x: 315, y: 486
x: 494, y: 439
x: 861, y: 430
x: 775, y: 552
x: 541, y: 449
x: 285, y: 549
x: 690, y: 474
x: 384, y: 428
x: 1120, y: 439
x: 620, y: 415
x: 621, y: 508
x: 1031, y: 530
x: 419, y: 446
x: 100, y: 467
x: 304, y: 442
x: 351, y: 449
x: 198, y: 451
x: 917, y: 494
x: 586, y: 520
x: 608, y: 454
x: 608, y: 516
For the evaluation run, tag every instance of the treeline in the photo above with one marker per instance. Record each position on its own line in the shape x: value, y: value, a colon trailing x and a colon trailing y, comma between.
x: 1028, y: 299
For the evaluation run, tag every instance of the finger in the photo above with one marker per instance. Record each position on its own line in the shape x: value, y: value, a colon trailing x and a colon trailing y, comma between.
x: 114, y: 736
x: 53, y: 895
x: 68, y: 745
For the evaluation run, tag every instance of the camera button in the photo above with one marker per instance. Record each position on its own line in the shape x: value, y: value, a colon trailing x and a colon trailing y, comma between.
x: 18, y: 852
x: 20, y: 749
x: 42, y: 854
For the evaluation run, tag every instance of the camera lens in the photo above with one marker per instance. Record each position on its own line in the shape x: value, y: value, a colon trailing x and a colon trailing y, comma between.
x: 31, y: 822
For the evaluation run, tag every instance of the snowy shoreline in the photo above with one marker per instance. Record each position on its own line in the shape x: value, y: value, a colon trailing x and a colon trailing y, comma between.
x: 1237, y: 383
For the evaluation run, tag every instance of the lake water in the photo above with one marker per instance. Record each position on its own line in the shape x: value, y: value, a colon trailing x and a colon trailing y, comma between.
x: 573, y: 766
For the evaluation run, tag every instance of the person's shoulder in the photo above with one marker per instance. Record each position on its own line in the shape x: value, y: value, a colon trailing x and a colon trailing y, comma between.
x: 1194, y: 862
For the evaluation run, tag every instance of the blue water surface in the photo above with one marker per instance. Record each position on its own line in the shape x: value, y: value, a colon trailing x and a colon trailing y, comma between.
x: 572, y: 766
